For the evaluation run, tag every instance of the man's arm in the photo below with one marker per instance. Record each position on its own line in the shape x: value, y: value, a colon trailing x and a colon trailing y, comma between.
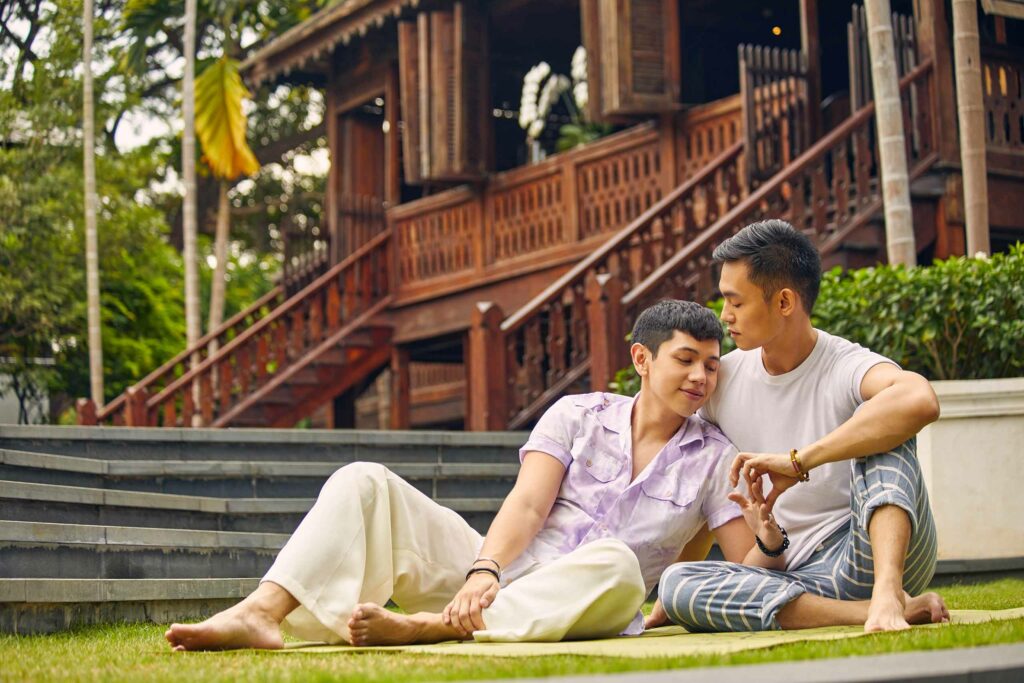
x: 897, y: 405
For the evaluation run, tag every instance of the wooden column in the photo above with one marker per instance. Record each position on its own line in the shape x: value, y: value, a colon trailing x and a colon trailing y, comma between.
x: 811, y: 46
x: 933, y: 43
x: 605, y: 318
x: 486, y: 381
x: 401, y: 388
x: 330, y: 208
x: 85, y: 409
x: 135, y: 408
x: 392, y: 173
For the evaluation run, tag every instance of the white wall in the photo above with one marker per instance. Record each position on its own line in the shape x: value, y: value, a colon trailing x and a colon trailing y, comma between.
x: 972, y: 459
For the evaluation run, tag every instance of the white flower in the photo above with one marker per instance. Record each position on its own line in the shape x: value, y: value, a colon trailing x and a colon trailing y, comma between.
x: 581, y: 95
x: 535, y: 129
x: 981, y: 255
x: 579, y: 65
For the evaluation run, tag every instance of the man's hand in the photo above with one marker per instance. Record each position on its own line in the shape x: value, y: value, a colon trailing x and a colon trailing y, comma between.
x: 753, y: 466
x: 657, y: 617
x: 758, y: 516
x: 464, y: 612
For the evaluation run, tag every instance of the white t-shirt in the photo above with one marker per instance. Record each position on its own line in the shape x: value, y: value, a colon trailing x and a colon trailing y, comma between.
x: 765, y: 413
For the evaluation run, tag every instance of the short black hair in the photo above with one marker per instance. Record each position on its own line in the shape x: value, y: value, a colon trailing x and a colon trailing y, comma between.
x: 657, y: 324
x: 777, y: 255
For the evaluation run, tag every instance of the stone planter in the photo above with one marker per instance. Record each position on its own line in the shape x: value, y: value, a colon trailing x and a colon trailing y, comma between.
x: 973, y: 466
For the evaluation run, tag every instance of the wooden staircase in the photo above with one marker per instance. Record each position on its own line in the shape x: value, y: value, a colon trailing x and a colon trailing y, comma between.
x: 276, y: 362
x: 520, y: 364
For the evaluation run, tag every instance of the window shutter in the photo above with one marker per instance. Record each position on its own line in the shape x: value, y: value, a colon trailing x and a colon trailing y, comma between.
x: 445, y: 97
x: 637, y: 43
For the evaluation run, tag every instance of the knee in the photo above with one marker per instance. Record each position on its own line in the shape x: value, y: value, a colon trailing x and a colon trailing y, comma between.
x: 620, y: 562
x: 363, y: 477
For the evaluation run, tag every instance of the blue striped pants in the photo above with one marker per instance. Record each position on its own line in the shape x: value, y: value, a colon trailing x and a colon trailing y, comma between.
x: 724, y: 596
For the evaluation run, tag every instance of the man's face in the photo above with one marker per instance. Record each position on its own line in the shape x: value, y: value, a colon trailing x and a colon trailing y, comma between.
x: 752, y: 321
x: 684, y: 373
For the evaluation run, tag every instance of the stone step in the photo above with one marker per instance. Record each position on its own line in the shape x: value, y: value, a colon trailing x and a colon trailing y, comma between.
x: 37, y: 550
x: 31, y: 606
x: 291, y: 445
x: 245, y: 479
x: 55, y: 504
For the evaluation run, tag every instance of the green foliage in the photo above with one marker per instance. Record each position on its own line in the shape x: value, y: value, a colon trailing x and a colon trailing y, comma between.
x: 962, y: 318
x: 574, y: 134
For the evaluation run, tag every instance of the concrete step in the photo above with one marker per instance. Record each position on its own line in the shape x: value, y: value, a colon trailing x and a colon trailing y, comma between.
x: 31, y: 606
x: 286, y: 445
x: 245, y: 479
x: 56, y: 504
x: 37, y: 550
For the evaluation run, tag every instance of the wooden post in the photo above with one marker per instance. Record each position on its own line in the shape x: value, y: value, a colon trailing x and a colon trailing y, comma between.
x: 85, y: 409
x: 605, y: 320
x: 933, y: 43
x: 811, y: 47
x: 135, y: 407
x: 401, y: 389
x: 971, y: 110
x: 486, y: 381
x: 392, y: 172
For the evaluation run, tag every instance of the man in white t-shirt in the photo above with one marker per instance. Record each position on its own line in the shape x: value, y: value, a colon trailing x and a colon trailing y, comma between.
x: 832, y: 427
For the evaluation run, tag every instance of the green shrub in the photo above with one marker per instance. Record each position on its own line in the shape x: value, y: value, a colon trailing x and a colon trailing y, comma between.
x: 962, y: 318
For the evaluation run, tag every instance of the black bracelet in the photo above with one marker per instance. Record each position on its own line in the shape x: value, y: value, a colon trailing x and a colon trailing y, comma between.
x: 774, y: 553
x: 485, y: 570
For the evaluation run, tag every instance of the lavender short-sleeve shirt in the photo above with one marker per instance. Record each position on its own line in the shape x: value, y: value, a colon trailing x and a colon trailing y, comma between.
x: 684, y: 486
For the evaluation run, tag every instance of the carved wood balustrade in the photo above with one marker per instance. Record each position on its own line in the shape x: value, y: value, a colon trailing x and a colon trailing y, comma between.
x: 704, y: 132
x: 250, y: 366
x: 120, y: 412
x: 540, y: 351
x: 527, y: 218
x: 828, y: 192
x: 1002, y: 82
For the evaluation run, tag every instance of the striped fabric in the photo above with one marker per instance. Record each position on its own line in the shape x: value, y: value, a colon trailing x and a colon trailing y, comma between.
x: 723, y: 596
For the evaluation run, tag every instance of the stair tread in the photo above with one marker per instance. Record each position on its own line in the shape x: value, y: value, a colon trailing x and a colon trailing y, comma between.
x: 122, y: 590
x: 48, y: 533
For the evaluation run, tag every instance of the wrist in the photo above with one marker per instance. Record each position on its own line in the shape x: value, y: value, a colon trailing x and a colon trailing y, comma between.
x: 810, y: 457
x: 778, y: 549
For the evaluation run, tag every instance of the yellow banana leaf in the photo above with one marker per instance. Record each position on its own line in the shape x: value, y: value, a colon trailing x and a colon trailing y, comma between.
x: 220, y: 123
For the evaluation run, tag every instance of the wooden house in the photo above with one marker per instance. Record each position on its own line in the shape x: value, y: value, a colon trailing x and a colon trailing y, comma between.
x: 458, y: 283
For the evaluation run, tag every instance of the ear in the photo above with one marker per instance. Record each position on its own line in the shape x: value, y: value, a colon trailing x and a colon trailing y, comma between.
x: 788, y: 301
x: 641, y: 358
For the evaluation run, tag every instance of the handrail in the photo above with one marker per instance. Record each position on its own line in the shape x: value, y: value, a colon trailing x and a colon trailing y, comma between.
x: 774, y: 184
x: 278, y: 313
x: 204, y: 341
x: 579, y: 271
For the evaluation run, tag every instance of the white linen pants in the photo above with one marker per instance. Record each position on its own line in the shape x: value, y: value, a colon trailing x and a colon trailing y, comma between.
x: 372, y: 536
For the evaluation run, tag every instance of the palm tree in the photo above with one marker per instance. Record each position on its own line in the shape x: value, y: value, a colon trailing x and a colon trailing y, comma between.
x: 971, y: 110
x: 92, y: 275
x: 895, y: 181
x: 188, y: 172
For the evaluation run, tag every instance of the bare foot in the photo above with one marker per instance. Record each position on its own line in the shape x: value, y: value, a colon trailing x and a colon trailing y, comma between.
x: 928, y: 608
x: 886, y: 612
x: 241, y: 626
x: 371, y: 624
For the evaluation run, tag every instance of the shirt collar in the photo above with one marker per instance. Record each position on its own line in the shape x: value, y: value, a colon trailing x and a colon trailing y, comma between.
x: 617, y: 417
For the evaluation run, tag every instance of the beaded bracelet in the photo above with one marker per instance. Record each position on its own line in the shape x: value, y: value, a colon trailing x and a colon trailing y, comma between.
x: 774, y: 553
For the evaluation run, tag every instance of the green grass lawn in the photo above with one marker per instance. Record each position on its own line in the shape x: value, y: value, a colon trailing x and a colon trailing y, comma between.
x: 138, y: 652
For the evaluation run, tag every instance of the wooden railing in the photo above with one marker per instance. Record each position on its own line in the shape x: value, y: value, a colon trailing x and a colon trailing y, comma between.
x: 527, y: 218
x: 117, y: 411
x: 306, y: 255
x: 704, y: 132
x: 776, y: 113
x: 1002, y: 81
x: 520, y: 364
x: 829, y: 191
x: 309, y: 323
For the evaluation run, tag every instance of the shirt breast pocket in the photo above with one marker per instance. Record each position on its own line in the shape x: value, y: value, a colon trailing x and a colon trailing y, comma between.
x: 670, y: 494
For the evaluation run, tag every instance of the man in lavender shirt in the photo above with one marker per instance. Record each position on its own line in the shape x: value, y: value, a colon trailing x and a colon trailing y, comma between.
x: 611, y: 491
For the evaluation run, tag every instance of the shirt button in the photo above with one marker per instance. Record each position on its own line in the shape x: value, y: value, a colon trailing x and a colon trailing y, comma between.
x: 588, y: 462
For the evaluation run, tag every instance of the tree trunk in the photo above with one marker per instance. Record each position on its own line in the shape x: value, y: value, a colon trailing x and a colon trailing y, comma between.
x: 220, y: 251
x: 188, y: 172
x: 971, y: 114
x: 92, y: 274
x: 899, y: 223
